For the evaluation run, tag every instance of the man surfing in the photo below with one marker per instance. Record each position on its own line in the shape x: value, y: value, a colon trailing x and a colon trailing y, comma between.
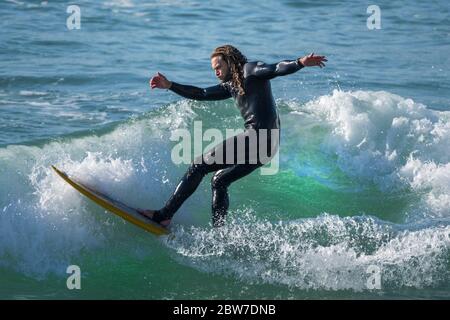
x: 248, y: 83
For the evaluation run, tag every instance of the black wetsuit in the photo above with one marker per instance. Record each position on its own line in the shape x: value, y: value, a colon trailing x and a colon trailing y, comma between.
x: 257, y: 107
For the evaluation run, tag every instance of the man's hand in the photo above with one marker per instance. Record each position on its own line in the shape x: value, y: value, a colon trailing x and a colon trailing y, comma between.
x: 160, y: 81
x: 312, y: 60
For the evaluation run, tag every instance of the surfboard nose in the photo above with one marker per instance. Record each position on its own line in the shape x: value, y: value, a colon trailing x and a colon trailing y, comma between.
x: 118, y: 208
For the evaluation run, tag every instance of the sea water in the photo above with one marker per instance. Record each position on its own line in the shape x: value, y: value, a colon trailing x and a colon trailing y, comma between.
x: 360, y: 206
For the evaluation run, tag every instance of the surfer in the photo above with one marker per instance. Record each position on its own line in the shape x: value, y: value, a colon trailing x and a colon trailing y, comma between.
x: 249, y: 84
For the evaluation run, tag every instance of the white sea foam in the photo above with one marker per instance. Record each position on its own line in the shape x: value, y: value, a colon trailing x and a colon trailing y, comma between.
x: 45, y: 225
x: 382, y: 138
x: 327, y: 252
x: 32, y: 93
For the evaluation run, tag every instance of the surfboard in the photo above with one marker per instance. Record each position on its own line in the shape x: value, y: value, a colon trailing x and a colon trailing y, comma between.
x: 122, y: 210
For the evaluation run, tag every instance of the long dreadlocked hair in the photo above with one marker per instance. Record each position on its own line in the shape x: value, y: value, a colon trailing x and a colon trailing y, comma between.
x: 235, y: 60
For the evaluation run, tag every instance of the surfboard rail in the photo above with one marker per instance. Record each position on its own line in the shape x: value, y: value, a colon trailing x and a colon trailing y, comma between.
x: 122, y: 210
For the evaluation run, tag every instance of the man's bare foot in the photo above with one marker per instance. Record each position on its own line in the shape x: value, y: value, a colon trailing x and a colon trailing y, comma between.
x: 149, y: 214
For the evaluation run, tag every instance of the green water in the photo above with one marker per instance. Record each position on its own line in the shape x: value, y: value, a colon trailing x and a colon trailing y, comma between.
x: 312, y: 230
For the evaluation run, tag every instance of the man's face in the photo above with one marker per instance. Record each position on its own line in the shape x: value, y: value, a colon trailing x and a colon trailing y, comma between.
x: 220, y: 68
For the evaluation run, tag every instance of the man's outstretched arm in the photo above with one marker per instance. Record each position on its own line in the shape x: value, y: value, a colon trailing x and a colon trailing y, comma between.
x: 282, y: 68
x: 218, y: 92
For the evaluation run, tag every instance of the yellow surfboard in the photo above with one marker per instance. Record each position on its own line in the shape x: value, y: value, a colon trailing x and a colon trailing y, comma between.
x: 114, y: 206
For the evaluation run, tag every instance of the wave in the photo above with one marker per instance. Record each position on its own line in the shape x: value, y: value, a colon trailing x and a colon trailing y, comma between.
x: 326, y: 252
x: 393, y: 142
x: 363, y: 139
x: 44, y: 222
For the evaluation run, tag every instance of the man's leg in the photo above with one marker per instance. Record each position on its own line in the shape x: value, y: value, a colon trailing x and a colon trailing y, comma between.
x: 185, y: 188
x: 223, y: 178
x: 220, y: 182
x: 188, y: 184
x: 226, y: 174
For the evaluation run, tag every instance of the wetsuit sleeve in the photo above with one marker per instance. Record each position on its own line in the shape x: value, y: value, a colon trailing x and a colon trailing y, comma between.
x: 218, y: 92
x: 269, y: 71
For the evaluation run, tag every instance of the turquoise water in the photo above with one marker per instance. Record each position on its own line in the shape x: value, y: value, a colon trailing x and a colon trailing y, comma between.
x: 364, y: 159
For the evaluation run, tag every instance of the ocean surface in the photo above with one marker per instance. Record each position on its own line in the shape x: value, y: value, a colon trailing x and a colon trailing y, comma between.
x: 363, y: 189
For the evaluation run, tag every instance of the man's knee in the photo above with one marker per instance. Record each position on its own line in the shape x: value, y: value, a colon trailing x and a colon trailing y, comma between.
x: 197, y: 169
x: 218, y: 182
